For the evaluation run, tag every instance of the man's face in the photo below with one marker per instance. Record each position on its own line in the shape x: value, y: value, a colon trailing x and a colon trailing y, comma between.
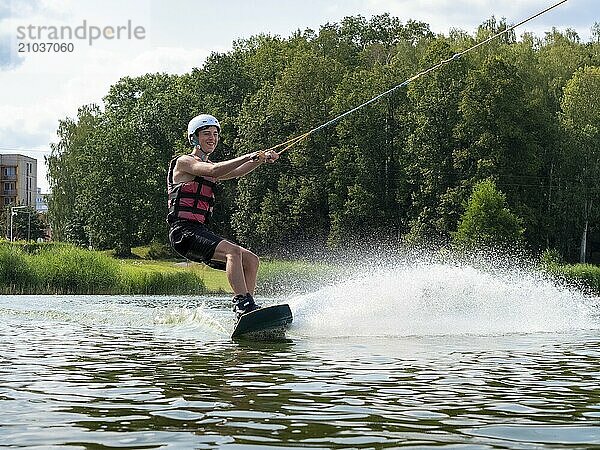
x: 208, y: 139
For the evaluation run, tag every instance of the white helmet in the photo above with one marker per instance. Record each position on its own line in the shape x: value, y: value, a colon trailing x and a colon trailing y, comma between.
x: 203, y: 120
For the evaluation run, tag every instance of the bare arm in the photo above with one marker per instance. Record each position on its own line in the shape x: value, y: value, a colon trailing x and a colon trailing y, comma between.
x: 190, y: 165
x: 241, y: 170
x: 269, y: 156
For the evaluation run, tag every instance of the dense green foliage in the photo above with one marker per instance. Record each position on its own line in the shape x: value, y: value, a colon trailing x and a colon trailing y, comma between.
x: 586, y: 276
x: 66, y: 269
x: 27, y: 223
x: 487, y: 222
x: 522, y: 112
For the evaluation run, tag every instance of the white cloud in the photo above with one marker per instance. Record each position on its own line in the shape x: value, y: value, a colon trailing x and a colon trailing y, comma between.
x: 167, y: 59
x: 35, y: 100
x: 25, y: 127
x: 35, y: 97
x: 442, y: 15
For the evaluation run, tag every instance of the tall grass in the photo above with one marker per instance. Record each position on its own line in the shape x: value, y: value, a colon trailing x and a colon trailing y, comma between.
x: 65, y: 269
x: 145, y: 279
x: 70, y: 270
x: 583, y: 276
x: 17, y: 274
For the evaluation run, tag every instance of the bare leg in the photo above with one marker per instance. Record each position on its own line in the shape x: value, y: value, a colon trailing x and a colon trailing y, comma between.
x: 232, y: 255
x: 241, y: 266
x: 250, y: 264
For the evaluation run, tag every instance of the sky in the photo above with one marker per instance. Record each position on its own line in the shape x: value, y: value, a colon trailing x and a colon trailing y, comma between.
x: 115, y: 38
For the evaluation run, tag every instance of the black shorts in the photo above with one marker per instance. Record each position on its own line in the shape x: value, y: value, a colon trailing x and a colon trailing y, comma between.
x: 194, y: 241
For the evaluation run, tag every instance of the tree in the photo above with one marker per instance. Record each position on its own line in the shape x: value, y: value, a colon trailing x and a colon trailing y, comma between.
x: 404, y: 165
x: 580, y: 120
x: 28, y: 224
x: 108, y: 170
x: 297, y: 185
x: 560, y: 54
x: 364, y: 171
x: 487, y: 223
x: 69, y: 164
x: 428, y: 151
x: 498, y: 137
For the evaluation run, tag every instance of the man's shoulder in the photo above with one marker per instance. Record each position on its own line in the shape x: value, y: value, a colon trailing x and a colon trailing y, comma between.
x: 180, y: 162
x: 187, y: 158
x: 182, y: 157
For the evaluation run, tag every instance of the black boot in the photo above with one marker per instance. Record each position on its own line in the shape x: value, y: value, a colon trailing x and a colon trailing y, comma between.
x: 243, y: 304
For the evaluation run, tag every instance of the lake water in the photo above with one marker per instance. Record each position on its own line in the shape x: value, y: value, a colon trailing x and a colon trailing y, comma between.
x: 417, y: 357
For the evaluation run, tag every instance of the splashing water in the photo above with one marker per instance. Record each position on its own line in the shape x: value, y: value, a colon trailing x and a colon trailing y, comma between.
x: 193, y: 317
x: 441, y: 299
x: 407, y: 299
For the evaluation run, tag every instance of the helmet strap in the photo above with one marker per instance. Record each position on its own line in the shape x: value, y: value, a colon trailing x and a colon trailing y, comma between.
x: 198, y: 148
x: 202, y: 155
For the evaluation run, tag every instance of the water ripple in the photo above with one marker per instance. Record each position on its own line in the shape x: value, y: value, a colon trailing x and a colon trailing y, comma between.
x: 64, y: 382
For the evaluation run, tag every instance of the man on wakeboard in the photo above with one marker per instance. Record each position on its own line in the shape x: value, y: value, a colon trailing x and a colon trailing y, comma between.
x: 190, y: 184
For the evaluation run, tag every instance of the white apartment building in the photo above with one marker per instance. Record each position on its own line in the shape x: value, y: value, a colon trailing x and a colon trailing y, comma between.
x: 18, y: 180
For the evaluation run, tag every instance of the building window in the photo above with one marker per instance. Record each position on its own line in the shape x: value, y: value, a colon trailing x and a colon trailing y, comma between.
x: 10, y: 171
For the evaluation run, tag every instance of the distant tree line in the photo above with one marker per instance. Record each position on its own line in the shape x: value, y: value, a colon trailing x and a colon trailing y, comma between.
x: 519, y: 114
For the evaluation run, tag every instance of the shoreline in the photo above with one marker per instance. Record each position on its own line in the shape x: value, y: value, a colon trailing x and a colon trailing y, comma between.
x: 63, y: 269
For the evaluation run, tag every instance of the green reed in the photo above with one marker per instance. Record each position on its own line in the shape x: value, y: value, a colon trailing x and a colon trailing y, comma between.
x: 142, y: 280
x: 66, y: 269
x: 17, y: 273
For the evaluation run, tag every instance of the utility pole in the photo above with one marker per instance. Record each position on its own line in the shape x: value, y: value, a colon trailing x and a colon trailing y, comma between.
x: 13, y: 212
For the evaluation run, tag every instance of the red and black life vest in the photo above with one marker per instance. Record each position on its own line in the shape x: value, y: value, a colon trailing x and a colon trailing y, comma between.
x: 190, y: 200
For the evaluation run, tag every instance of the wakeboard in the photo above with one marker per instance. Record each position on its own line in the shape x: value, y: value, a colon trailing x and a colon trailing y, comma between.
x: 268, y: 323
